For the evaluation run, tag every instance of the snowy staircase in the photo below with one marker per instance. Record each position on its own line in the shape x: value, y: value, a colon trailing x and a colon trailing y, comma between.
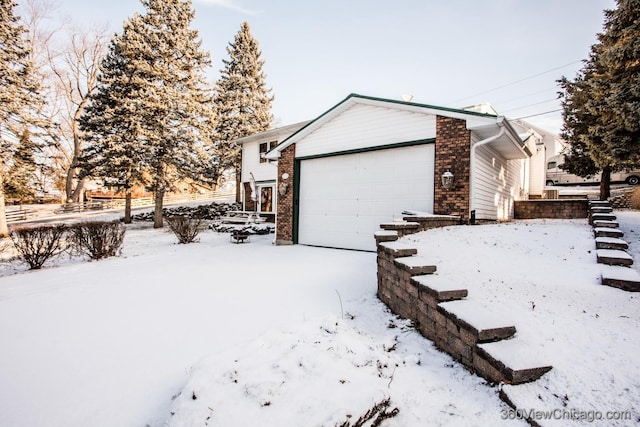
x: 611, y: 249
x: 479, y: 339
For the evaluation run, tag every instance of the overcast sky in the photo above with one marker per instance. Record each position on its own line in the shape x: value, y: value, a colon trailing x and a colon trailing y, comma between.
x: 451, y: 53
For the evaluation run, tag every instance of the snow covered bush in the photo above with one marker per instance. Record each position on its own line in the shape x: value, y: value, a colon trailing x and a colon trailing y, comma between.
x: 35, y: 245
x: 186, y: 229
x: 97, y: 239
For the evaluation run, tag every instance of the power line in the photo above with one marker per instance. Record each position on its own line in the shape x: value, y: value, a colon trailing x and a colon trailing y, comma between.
x: 539, y: 114
x: 515, y: 82
x: 530, y: 105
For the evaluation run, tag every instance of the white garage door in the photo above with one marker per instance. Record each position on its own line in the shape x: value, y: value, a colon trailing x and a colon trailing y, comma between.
x: 345, y: 198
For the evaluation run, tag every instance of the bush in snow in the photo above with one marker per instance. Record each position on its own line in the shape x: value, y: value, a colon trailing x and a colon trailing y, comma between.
x: 97, y: 239
x: 186, y: 229
x: 35, y: 245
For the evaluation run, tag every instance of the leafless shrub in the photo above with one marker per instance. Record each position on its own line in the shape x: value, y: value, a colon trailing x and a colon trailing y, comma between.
x: 186, y: 229
x: 97, y: 239
x: 35, y: 245
x: 377, y: 414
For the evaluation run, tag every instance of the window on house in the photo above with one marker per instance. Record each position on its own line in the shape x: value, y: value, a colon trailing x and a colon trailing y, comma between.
x: 266, y: 199
x: 265, y: 147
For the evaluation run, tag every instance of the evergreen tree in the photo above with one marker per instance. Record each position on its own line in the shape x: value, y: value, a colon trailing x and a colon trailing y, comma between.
x: 242, y: 100
x: 18, y: 92
x: 150, y: 119
x: 602, y: 105
x: 21, y: 180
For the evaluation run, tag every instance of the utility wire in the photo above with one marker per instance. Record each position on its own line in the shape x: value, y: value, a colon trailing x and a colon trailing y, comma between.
x: 530, y: 105
x: 515, y: 82
x: 539, y: 114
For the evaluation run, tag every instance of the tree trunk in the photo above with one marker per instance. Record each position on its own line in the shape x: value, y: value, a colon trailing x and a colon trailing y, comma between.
x: 157, y: 213
x: 4, y: 228
x: 605, y: 183
x: 77, y: 192
x: 238, y: 189
x: 127, y: 206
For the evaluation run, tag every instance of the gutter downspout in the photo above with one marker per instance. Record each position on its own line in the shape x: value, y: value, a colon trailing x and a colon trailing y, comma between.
x: 472, y: 167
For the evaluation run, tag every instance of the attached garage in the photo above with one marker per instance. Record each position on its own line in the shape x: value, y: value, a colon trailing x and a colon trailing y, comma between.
x: 366, y: 160
x: 344, y: 198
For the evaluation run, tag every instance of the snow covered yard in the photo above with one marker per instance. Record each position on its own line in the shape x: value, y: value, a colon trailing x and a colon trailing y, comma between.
x: 215, y: 333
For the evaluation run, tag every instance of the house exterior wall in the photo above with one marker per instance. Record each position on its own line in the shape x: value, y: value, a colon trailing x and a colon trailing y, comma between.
x: 498, y: 183
x: 251, y: 162
x: 285, y: 207
x: 365, y: 126
x: 453, y: 142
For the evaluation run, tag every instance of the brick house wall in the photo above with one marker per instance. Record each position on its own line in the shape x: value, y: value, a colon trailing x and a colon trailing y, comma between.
x: 284, y: 229
x: 452, y: 153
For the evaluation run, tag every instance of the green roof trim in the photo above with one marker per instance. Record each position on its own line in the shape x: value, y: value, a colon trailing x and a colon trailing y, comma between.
x: 414, y: 104
x: 376, y: 99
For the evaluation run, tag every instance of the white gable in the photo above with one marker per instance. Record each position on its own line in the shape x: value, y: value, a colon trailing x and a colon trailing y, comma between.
x: 365, y: 126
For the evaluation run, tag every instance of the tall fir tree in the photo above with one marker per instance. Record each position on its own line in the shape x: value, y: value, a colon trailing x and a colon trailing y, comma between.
x: 242, y: 100
x: 150, y: 120
x: 601, y: 107
x: 19, y: 89
x: 21, y: 182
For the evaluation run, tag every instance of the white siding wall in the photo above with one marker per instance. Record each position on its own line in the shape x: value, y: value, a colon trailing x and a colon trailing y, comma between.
x: 364, y: 126
x: 498, y: 182
x: 251, y: 163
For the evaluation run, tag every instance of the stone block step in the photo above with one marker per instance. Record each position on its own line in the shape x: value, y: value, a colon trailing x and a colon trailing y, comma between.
x: 398, y: 249
x: 515, y: 359
x: 415, y: 265
x: 605, y: 224
x: 601, y: 209
x: 608, y: 232
x: 599, y: 203
x: 613, y: 257
x: 440, y: 291
x: 611, y: 243
x: 386, y: 236
x: 477, y: 319
x: 603, y: 217
x: 399, y: 225
x: 623, y: 278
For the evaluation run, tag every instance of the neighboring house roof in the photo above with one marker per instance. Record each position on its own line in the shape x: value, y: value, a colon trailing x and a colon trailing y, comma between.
x: 484, y: 125
x: 272, y: 133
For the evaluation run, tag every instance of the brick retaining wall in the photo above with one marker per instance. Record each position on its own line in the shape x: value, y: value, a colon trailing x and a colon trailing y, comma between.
x: 561, y: 209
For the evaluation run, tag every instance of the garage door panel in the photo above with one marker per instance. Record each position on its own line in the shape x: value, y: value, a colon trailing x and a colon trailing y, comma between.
x: 344, y: 199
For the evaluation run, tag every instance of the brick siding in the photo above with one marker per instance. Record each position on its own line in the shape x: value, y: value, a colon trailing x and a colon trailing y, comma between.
x: 453, y: 153
x: 284, y: 219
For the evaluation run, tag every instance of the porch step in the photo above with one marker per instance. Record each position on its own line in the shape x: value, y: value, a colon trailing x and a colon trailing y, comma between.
x: 605, y: 224
x: 613, y: 257
x: 441, y: 292
x: 608, y: 232
x: 601, y: 209
x: 515, y: 359
x: 623, y: 278
x: 486, y: 326
x: 611, y: 243
x: 603, y: 217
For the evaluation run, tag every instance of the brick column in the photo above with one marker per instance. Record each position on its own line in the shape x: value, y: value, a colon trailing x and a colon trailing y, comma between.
x: 284, y: 218
x: 453, y: 153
